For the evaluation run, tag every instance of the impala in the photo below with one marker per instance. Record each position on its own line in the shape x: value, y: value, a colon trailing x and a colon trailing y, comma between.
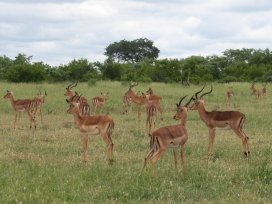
x: 99, y: 101
x: 169, y: 136
x: 39, y: 101
x: 220, y: 119
x: 264, y: 89
x: 152, y: 97
x: 139, y: 100
x: 229, y: 96
x: 99, y: 124
x: 258, y: 93
x: 26, y: 105
x: 151, y: 112
x: 127, y: 98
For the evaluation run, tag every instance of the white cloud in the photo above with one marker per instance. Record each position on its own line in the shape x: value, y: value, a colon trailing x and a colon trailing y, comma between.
x: 57, y: 31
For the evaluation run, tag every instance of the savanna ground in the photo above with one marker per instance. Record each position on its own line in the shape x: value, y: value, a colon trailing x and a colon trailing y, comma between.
x: 45, y: 165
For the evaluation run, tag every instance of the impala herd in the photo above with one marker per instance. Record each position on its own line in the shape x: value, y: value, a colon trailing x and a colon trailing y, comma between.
x: 160, y: 139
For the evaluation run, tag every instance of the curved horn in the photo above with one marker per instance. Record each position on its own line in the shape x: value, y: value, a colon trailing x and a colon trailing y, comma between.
x: 207, y: 92
x: 181, y: 100
x: 188, y: 103
x: 196, y: 97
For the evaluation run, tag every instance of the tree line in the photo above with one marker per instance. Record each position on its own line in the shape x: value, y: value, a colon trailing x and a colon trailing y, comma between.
x: 137, y: 60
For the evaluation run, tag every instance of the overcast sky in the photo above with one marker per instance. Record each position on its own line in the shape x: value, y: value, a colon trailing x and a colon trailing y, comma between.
x: 58, y: 31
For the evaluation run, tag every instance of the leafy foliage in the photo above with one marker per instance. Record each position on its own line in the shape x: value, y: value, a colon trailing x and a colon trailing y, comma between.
x: 141, y: 65
x: 132, y: 51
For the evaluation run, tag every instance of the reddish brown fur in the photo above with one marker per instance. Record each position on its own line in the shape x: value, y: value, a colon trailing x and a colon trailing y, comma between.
x: 169, y: 136
x: 100, y: 124
x: 26, y: 105
x: 221, y: 119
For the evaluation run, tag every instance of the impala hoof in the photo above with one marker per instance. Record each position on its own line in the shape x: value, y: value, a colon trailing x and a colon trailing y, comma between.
x: 111, y: 162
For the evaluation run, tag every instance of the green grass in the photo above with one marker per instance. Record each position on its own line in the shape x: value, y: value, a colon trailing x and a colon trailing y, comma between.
x: 45, y: 165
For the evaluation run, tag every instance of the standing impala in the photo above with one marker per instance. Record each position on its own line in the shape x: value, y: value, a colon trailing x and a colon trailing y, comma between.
x: 229, y: 96
x: 258, y: 93
x: 26, y: 105
x: 99, y: 101
x: 127, y: 98
x: 39, y: 101
x: 152, y: 97
x: 99, y: 124
x: 220, y: 119
x: 151, y: 113
x: 169, y: 136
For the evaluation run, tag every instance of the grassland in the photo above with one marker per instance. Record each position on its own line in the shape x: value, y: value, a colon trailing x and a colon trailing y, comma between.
x: 45, y: 165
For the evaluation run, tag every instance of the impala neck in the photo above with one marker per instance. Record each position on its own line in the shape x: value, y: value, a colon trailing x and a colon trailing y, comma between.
x: 11, y: 98
x: 184, y: 119
x: 77, y: 116
x: 202, y: 112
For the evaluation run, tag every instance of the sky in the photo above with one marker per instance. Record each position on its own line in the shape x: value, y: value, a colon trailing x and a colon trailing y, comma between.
x: 58, y: 31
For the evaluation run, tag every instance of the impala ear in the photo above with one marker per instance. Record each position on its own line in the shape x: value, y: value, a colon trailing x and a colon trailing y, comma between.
x: 67, y: 101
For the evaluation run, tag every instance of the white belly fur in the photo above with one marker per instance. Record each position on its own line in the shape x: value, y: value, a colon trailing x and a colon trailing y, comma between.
x: 93, y: 130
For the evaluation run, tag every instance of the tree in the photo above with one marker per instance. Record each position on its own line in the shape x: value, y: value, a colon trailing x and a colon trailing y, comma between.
x: 132, y: 51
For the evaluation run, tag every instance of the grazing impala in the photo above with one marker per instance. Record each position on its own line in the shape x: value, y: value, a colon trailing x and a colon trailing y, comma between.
x: 99, y: 124
x: 26, y: 105
x: 154, y: 99
x: 127, y: 98
x: 220, y: 119
x: 99, y: 101
x: 169, y: 136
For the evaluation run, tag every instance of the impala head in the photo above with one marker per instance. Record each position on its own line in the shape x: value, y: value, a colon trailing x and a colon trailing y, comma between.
x: 69, y: 91
x: 182, y: 108
x: 149, y: 91
x: 73, y: 106
x: 104, y: 95
x: 132, y: 84
x: 9, y: 94
x: 199, y: 99
x: 42, y: 96
x: 252, y: 86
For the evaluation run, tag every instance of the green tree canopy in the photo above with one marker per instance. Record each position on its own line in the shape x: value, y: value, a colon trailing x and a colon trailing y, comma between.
x: 132, y: 51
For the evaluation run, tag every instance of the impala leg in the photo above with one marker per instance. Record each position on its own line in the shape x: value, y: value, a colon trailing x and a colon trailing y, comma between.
x: 107, y: 139
x: 160, y: 110
x: 154, y: 158
x: 41, y: 114
x: 139, y: 112
x: 211, y: 141
x: 176, y: 160
x: 244, y: 139
x: 85, y: 146
x: 15, y: 119
x: 147, y: 124
x: 147, y: 158
x: 182, y: 154
x: 30, y: 118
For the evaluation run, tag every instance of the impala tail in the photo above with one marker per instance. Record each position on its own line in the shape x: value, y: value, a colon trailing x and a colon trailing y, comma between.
x: 154, y: 146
